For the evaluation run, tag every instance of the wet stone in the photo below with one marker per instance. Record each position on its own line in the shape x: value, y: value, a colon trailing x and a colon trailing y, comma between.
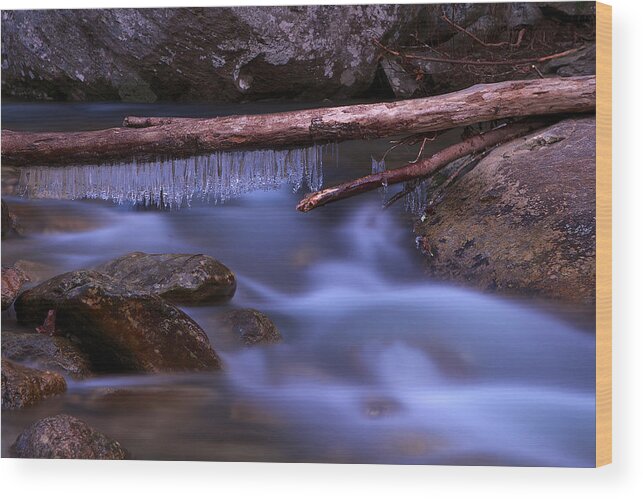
x: 65, y: 437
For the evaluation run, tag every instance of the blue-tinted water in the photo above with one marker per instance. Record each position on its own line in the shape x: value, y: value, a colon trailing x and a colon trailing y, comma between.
x: 378, y: 364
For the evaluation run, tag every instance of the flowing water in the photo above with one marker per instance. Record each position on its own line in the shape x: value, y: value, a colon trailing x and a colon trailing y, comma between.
x: 379, y: 363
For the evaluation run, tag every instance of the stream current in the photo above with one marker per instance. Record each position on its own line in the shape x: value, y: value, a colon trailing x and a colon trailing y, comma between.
x: 379, y: 363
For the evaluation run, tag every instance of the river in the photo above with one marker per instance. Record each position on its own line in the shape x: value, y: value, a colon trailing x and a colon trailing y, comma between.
x: 379, y: 363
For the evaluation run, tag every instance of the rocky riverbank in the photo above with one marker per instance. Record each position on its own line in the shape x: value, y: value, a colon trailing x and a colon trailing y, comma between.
x: 523, y: 220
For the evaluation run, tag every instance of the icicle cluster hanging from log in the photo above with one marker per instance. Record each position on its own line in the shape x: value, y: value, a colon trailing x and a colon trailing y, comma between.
x: 173, y: 183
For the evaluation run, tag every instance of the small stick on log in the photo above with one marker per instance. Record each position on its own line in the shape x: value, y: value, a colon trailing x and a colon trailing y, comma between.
x: 190, y: 136
x: 424, y: 168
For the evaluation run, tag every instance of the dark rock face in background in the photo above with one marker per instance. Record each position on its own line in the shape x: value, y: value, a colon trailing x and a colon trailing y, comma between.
x: 223, y: 54
x: 524, y: 219
x: 491, y: 32
x: 307, y: 52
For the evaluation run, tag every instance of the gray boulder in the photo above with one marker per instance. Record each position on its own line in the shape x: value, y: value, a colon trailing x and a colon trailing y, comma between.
x: 179, y: 278
x: 65, y: 437
x: 524, y: 219
x: 119, y: 328
x: 221, y: 54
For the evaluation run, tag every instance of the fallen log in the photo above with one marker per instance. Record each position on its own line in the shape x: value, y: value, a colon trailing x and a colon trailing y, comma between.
x: 421, y: 169
x: 191, y: 136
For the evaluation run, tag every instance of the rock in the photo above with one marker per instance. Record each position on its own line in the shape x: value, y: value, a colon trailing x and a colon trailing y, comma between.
x: 523, y: 220
x: 9, y: 223
x: 52, y: 353
x: 463, y: 14
x: 12, y: 281
x: 441, y: 77
x: 523, y: 14
x: 580, y: 63
x: 36, y: 271
x: 65, y: 437
x: 251, y: 326
x: 49, y: 217
x: 119, y: 328
x: 179, y: 278
x: 23, y: 386
x: 402, y: 82
x: 221, y: 54
x: 570, y: 9
x: 492, y: 23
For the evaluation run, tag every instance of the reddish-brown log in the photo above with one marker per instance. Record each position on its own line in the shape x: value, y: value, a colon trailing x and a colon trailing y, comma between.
x: 421, y: 169
x: 185, y: 136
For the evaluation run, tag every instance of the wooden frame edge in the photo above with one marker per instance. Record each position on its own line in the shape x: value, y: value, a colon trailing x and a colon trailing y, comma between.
x: 603, y: 234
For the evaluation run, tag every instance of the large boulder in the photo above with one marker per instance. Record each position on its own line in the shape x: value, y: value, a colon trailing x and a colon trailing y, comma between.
x: 23, y: 386
x: 179, y: 278
x: 65, y: 437
x: 250, y: 326
x: 12, y: 280
x: 120, y: 328
x: 227, y: 54
x: 52, y: 353
x: 524, y: 219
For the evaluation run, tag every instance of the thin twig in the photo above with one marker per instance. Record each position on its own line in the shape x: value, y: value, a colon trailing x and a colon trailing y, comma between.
x: 506, y: 62
x: 538, y: 72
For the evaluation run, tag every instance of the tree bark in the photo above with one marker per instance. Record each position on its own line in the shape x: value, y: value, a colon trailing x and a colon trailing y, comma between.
x: 421, y: 169
x: 190, y: 136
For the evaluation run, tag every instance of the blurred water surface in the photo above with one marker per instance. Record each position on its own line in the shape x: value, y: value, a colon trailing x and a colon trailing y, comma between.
x: 379, y: 363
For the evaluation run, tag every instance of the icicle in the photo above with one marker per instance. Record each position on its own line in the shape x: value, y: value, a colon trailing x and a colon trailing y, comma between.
x: 415, y: 200
x: 379, y: 166
x: 172, y: 183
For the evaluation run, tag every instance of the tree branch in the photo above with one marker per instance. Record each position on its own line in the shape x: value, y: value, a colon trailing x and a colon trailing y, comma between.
x: 422, y: 169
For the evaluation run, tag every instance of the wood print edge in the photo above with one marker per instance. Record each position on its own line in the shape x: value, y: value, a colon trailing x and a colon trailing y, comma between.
x: 603, y: 234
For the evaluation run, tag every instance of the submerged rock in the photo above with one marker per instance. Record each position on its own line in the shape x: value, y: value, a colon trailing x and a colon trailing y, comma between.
x: 251, y: 326
x: 23, y: 386
x: 65, y: 437
x: 12, y: 280
x: 53, y: 353
x: 119, y: 328
x: 48, y: 217
x: 179, y: 278
x: 524, y: 219
x: 9, y: 225
x: 221, y: 54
